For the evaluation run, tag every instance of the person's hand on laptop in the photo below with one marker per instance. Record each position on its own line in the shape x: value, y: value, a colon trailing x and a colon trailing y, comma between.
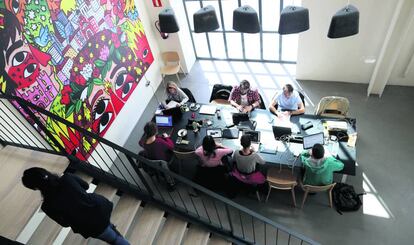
x: 165, y: 135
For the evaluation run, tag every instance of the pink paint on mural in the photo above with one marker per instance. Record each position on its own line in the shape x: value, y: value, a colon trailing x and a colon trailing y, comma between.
x: 79, y: 59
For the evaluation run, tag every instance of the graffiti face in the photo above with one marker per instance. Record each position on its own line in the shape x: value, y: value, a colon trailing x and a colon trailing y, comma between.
x: 17, y: 7
x: 28, y: 68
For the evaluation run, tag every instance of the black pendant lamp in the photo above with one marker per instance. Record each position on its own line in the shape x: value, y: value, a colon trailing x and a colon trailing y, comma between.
x: 344, y: 23
x: 245, y: 20
x: 205, y: 20
x: 293, y: 19
x: 168, y: 22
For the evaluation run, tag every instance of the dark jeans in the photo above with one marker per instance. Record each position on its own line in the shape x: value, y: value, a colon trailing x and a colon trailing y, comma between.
x: 111, y: 236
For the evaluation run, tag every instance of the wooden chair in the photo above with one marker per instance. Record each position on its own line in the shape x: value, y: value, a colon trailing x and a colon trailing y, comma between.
x: 171, y: 66
x: 312, y: 188
x: 333, y: 106
x: 281, y: 179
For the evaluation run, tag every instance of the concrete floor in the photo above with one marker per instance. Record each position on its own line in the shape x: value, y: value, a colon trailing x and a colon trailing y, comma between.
x: 384, y: 143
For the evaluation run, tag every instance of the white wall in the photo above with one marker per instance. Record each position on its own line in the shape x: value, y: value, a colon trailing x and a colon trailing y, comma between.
x: 321, y: 58
x: 403, y: 72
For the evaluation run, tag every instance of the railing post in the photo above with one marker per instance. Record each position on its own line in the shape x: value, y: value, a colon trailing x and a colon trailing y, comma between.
x: 228, y: 217
x: 144, y: 181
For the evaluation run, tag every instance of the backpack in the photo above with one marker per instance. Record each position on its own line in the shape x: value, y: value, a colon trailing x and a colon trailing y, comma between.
x: 345, y: 198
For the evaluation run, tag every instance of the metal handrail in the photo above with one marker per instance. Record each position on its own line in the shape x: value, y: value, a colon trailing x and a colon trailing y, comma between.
x: 179, y: 202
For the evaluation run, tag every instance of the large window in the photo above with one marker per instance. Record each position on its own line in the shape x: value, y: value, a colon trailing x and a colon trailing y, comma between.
x: 227, y: 44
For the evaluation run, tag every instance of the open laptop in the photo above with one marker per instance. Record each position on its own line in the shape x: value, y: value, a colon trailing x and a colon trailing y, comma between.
x: 281, y: 131
x: 174, y: 112
x: 164, y: 124
x: 310, y: 140
x: 239, y: 117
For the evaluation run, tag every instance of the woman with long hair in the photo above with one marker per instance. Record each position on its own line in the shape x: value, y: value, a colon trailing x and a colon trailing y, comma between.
x: 66, y: 201
x: 212, y: 171
x: 174, y: 93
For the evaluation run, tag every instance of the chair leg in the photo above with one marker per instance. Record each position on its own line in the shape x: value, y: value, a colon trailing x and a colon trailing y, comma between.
x: 178, y: 80
x: 294, y: 197
x: 162, y: 81
x: 268, y: 192
x: 330, y: 197
x: 304, y: 198
x: 258, y: 196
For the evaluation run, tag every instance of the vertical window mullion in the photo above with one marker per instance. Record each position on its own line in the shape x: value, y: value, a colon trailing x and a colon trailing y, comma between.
x: 261, y: 31
x: 208, y: 39
x: 223, y: 28
x: 280, y: 36
x: 189, y: 27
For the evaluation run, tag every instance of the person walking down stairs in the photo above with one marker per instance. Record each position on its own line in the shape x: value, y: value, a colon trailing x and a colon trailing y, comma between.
x: 66, y: 201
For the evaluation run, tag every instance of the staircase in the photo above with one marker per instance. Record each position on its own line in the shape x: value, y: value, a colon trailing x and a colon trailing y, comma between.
x: 139, y: 222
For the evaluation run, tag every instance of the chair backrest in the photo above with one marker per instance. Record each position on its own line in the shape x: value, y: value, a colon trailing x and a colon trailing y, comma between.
x: 147, y: 169
x: 220, y: 91
x: 302, y: 97
x: 262, y: 104
x: 314, y: 188
x: 184, y: 155
x: 170, y: 56
x: 189, y: 94
x: 333, y: 106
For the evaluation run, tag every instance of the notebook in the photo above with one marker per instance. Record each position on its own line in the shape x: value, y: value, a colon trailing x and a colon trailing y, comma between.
x: 208, y: 109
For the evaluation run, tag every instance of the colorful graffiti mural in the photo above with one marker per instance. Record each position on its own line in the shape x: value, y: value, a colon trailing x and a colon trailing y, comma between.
x: 79, y: 59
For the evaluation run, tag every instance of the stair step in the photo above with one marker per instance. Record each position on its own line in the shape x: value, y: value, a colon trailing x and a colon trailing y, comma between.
x: 172, y: 232
x: 146, y: 227
x: 196, y: 236
x: 216, y: 240
x: 124, y: 212
x: 106, y: 191
x: 102, y: 189
x: 46, y: 232
x: 18, y: 204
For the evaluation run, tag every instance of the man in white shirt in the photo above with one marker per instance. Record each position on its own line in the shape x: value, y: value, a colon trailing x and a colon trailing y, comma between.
x: 288, y: 101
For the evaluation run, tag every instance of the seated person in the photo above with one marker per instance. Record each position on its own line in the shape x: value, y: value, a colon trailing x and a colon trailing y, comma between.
x: 174, y: 93
x: 158, y: 148
x: 244, y: 98
x: 287, y: 100
x: 319, y: 166
x: 211, y: 173
x: 246, y: 160
x: 210, y: 153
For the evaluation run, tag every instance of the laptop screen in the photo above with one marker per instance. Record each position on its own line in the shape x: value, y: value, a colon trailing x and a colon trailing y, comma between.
x: 281, y: 131
x: 163, y: 121
x: 254, y: 135
x: 240, y: 117
x: 310, y: 140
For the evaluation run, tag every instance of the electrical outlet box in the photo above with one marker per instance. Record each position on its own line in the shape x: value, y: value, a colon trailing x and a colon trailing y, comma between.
x: 147, y: 83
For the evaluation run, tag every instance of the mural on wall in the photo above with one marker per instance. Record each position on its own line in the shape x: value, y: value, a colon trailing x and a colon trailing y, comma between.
x: 79, y: 59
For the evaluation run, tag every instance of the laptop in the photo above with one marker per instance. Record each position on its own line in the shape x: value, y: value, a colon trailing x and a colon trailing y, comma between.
x: 310, y: 140
x: 175, y: 112
x: 239, y: 117
x: 281, y: 131
x: 214, y: 132
x: 164, y: 124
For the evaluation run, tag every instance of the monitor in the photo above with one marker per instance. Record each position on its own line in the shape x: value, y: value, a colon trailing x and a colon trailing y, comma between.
x: 281, y: 131
x: 163, y: 121
x: 254, y: 136
x: 310, y: 140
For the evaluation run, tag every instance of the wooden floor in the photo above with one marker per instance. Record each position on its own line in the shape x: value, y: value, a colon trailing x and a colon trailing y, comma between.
x: 139, y: 223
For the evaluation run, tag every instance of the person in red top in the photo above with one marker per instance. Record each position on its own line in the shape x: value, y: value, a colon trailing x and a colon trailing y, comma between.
x: 158, y: 148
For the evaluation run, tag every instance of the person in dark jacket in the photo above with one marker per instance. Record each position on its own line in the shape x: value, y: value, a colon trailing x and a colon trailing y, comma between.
x: 66, y: 201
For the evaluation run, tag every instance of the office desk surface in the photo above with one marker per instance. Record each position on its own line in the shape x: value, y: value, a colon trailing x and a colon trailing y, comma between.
x: 265, y: 120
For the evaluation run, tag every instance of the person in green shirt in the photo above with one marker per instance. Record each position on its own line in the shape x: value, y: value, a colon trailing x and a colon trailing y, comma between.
x: 319, y: 167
